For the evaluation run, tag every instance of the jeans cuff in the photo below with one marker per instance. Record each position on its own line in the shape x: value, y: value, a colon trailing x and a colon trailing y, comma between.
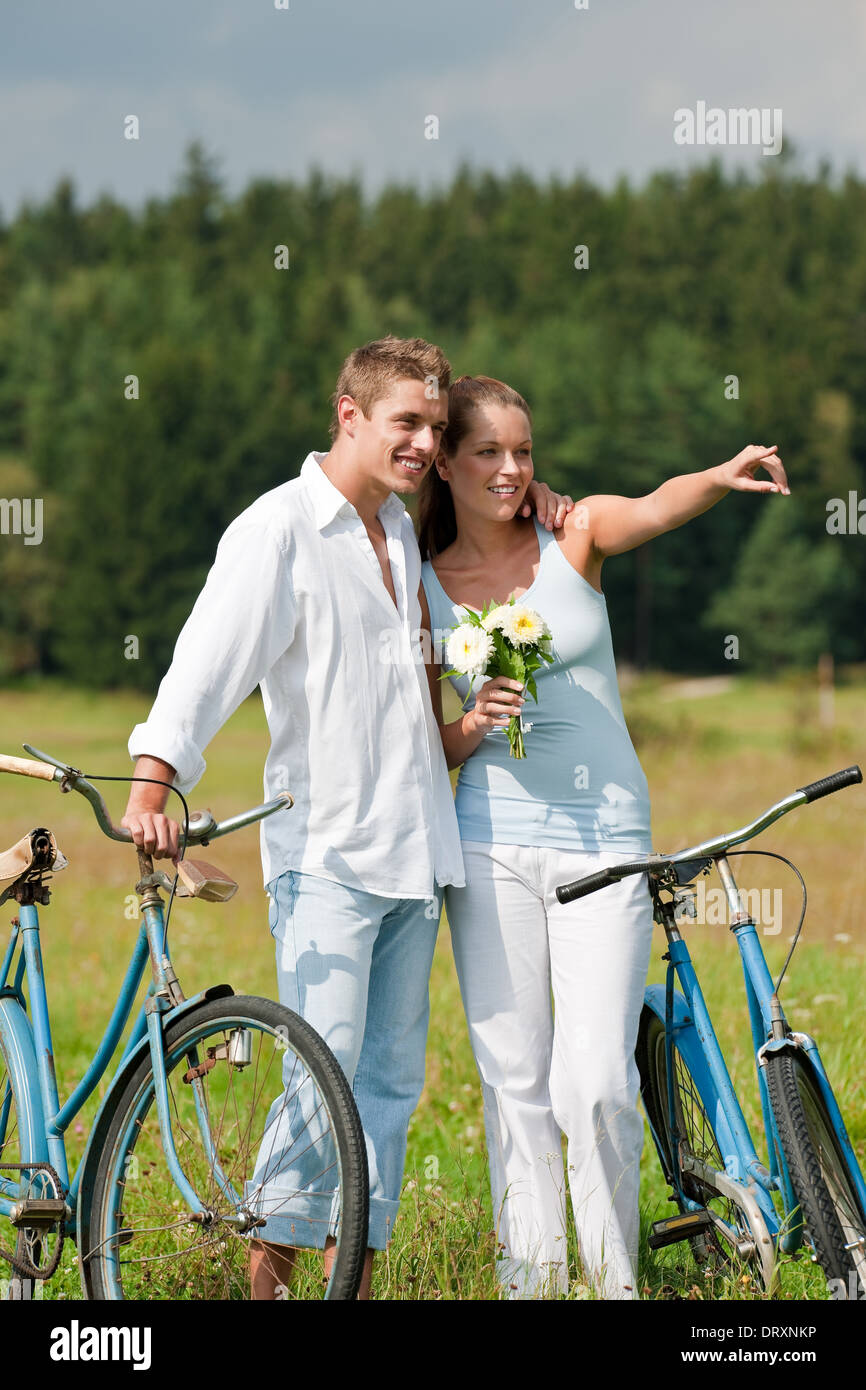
x: 300, y: 1219
x: 304, y: 1219
x: 383, y: 1215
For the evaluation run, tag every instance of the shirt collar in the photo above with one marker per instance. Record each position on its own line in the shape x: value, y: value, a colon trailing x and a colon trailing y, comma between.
x: 329, y: 502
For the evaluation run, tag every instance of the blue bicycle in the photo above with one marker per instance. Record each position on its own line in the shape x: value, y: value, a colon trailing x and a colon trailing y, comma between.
x: 200, y: 1137
x: 731, y: 1205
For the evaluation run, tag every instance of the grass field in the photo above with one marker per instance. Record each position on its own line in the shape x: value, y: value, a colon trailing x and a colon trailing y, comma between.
x: 714, y: 760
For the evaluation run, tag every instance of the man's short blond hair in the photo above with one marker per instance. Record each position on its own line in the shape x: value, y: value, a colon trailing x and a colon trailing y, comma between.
x: 369, y: 372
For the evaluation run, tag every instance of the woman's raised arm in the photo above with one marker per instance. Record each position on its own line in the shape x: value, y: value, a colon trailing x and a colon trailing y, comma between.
x: 616, y: 524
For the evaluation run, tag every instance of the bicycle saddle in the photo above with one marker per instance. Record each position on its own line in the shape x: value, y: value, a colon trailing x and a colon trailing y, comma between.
x: 34, y: 854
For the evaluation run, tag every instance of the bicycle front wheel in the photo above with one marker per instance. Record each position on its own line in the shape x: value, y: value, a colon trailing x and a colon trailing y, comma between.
x: 267, y: 1134
x: 832, y: 1216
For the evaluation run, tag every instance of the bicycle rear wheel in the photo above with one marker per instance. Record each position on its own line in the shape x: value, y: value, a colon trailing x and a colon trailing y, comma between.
x: 833, y: 1220
x: 265, y: 1128
x: 720, y: 1246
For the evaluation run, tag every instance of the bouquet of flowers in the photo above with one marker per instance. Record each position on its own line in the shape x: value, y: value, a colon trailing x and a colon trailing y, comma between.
x: 504, y: 639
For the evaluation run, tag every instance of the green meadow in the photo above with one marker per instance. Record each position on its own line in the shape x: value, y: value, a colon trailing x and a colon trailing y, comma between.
x: 716, y: 754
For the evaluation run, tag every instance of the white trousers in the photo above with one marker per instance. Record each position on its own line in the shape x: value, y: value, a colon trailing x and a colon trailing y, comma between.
x: 565, y: 1068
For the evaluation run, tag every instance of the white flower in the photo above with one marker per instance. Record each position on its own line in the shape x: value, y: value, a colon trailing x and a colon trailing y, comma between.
x: 469, y: 649
x: 495, y: 617
x: 522, y: 625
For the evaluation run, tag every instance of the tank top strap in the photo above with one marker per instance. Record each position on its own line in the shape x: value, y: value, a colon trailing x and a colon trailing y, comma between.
x: 443, y: 613
x: 545, y: 538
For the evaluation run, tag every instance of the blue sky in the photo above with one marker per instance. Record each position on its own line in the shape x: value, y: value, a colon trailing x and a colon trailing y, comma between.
x: 347, y: 84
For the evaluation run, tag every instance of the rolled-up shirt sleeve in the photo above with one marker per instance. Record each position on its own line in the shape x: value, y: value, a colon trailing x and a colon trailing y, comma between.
x: 242, y: 622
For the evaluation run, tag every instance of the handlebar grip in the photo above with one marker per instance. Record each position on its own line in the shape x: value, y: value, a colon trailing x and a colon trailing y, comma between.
x: 26, y: 767
x: 813, y: 791
x: 567, y: 892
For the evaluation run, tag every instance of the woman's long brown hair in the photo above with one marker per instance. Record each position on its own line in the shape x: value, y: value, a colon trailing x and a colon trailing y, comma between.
x: 437, y: 524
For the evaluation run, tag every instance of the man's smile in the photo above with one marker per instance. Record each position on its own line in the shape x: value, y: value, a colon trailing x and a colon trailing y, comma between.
x: 410, y: 463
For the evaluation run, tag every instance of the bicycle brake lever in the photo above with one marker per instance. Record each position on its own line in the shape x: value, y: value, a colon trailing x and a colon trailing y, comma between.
x: 690, y: 869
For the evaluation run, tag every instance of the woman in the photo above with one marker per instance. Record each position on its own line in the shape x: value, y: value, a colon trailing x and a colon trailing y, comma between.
x: 578, y: 802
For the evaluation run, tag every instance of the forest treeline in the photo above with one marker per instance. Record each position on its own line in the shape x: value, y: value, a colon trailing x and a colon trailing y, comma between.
x: 707, y: 311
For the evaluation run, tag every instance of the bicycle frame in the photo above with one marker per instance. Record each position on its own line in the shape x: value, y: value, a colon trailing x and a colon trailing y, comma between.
x: 31, y: 1083
x: 686, y: 1014
x: 29, y: 1042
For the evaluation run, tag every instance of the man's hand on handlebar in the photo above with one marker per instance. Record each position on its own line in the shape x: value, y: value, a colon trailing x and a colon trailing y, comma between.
x: 155, y: 833
x: 150, y: 828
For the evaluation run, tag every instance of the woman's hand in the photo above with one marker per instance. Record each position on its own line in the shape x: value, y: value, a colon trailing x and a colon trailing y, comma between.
x: 550, y: 507
x: 739, y: 473
x: 498, y: 701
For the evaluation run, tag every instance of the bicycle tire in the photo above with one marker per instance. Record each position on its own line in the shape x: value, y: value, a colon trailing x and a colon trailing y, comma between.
x: 130, y: 1208
x: 698, y: 1134
x: 832, y: 1216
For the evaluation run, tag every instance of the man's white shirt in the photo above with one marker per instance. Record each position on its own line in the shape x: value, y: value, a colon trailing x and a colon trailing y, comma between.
x: 295, y: 602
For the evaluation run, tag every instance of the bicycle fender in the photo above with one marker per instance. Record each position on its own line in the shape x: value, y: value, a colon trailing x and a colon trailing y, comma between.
x: 689, y: 1045
x: 16, y: 1032
x: 807, y: 1048
x: 86, y: 1174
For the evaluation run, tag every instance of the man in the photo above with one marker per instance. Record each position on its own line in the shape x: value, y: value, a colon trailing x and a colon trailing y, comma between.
x: 313, y: 595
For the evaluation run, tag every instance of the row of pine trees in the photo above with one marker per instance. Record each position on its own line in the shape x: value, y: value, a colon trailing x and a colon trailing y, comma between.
x: 159, y: 368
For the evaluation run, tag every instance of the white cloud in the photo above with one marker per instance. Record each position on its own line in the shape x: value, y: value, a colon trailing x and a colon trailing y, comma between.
x: 556, y: 90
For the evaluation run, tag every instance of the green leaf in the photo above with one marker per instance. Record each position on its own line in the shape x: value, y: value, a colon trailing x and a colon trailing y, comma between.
x: 500, y: 647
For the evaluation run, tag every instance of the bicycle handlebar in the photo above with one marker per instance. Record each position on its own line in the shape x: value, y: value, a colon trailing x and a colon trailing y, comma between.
x: 602, y: 878
x: 202, y: 825
x: 25, y: 768
x: 813, y: 791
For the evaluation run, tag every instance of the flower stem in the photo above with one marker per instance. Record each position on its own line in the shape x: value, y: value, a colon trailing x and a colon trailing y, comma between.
x: 515, y: 737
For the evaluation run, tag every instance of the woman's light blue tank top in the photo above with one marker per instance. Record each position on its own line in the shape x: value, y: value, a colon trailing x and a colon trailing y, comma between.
x: 580, y: 786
